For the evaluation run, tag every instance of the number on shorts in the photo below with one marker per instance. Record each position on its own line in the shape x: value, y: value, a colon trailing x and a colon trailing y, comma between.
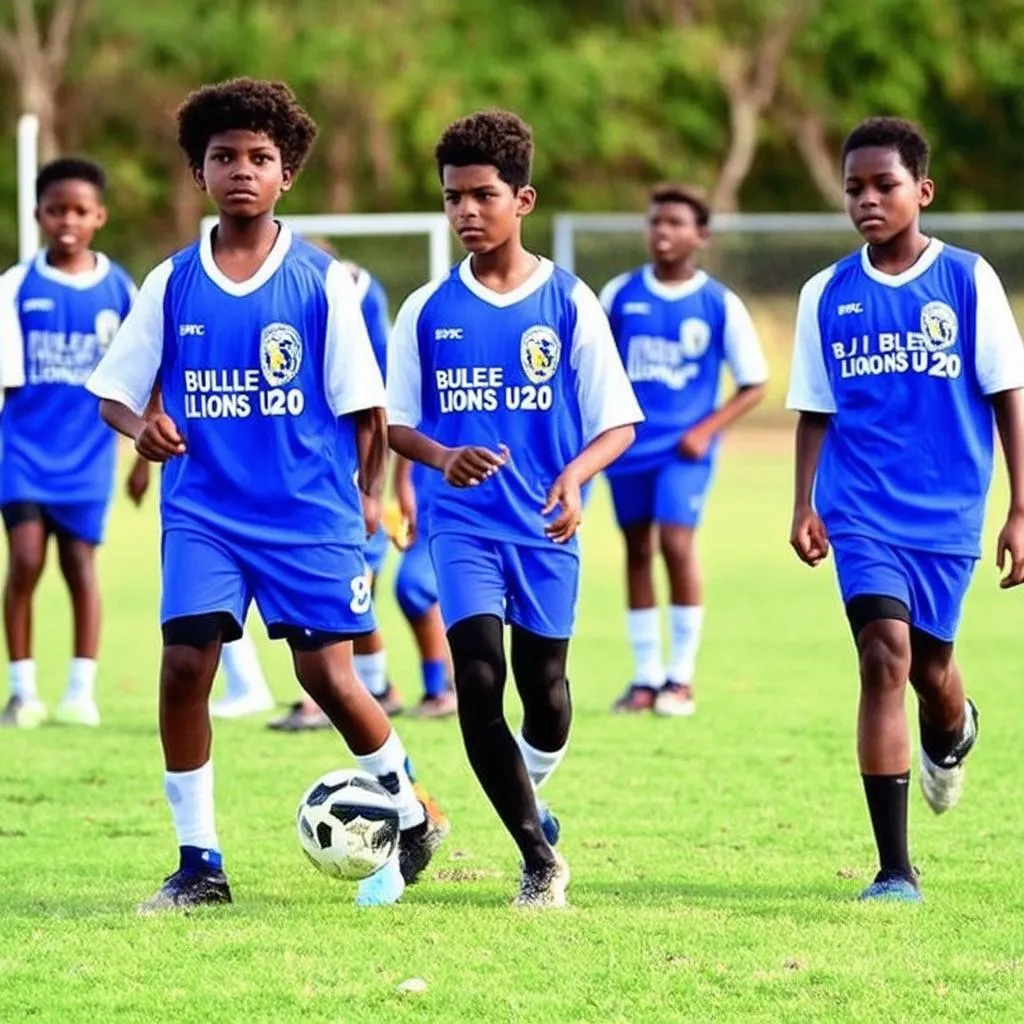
x: 361, y: 598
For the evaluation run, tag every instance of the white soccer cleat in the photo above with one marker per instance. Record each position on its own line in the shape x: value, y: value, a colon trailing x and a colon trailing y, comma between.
x: 675, y: 700
x: 23, y: 713
x: 544, y: 889
x: 80, y: 711
x: 240, y: 707
x: 943, y: 784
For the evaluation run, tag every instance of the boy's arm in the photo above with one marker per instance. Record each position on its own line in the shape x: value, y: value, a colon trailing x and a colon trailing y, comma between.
x: 749, y: 370
x: 1009, y: 411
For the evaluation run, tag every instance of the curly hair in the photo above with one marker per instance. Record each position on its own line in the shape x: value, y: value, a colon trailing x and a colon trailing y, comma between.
x: 674, y: 192
x: 892, y: 133
x: 249, y: 104
x: 70, y: 169
x: 495, y: 138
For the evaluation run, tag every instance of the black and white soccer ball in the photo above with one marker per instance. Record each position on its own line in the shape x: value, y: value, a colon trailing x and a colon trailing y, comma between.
x: 348, y: 824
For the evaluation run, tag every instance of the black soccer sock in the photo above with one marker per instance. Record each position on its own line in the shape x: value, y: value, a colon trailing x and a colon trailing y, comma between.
x: 887, y: 797
x: 538, y: 664
x: 479, y: 657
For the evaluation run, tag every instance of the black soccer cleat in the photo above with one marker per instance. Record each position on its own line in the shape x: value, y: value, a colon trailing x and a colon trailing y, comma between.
x: 417, y: 846
x: 186, y: 889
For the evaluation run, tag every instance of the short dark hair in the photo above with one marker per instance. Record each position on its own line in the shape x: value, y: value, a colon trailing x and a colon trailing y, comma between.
x: 70, y: 168
x: 675, y: 192
x: 497, y: 138
x: 251, y: 105
x: 892, y: 133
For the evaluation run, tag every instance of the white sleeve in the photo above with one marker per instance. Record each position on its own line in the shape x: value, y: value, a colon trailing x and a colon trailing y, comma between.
x: 352, y: 377
x: 128, y: 371
x: 998, y: 352
x: 605, y: 395
x: 810, y: 390
x: 12, y: 342
x: 405, y: 374
x: 610, y: 290
x: 743, y: 350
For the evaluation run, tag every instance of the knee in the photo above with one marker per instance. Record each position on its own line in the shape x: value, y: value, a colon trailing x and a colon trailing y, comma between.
x: 884, y: 660
x: 677, y: 545
x: 24, y: 569
x: 639, y: 550
x: 78, y: 570
x: 181, y: 675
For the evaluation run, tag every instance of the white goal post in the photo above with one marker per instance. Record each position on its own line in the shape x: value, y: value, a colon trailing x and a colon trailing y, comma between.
x: 28, y: 169
x: 367, y: 225
x: 565, y: 226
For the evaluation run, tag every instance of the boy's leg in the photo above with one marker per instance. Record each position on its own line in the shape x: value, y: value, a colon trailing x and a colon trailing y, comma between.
x: 26, y: 555
x: 370, y: 658
x: 246, y: 690
x: 78, y: 566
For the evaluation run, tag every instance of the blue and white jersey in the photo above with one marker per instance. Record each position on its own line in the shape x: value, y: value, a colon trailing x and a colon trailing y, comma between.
x: 534, y: 369
x: 904, y: 364
x: 373, y: 301
x: 674, y: 339
x: 54, y: 328
x: 262, y: 378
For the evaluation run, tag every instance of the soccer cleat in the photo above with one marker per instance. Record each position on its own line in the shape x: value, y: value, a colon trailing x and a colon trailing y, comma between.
x: 675, y: 700
x: 417, y: 845
x: 892, y: 887
x: 544, y: 887
x: 390, y: 701
x: 384, y: 887
x: 943, y: 784
x: 81, y: 711
x: 549, y: 824
x: 636, y: 698
x: 444, y: 705
x: 242, y: 706
x: 185, y: 889
x: 299, y: 719
x: 23, y: 713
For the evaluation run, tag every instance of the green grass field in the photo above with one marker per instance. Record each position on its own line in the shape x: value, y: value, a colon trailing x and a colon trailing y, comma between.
x: 715, y: 860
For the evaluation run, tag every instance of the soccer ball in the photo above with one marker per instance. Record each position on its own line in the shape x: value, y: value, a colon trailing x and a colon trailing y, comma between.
x: 348, y: 824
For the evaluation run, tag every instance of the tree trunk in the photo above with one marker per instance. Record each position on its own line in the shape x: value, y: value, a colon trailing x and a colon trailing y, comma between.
x: 340, y: 157
x: 187, y: 206
x: 808, y: 133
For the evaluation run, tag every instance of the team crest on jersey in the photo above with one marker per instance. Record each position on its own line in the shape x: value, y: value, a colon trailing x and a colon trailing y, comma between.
x: 280, y: 354
x: 539, y: 352
x: 107, y: 323
x: 939, y: 326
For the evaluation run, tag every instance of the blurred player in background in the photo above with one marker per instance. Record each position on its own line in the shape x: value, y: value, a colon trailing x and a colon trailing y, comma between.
x: 906, y: 351
x: 58, y: 313
x: 503, y: 378
x: 675, y: 327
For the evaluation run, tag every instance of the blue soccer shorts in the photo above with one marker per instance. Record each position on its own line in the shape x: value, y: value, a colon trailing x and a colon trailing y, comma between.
x: 931, y: 586
x: 376, y: 550
x: 321, y: 588
x: 532, y: 586
x: 673, y: 493
x: 79, y: 520
x: 416, y: 581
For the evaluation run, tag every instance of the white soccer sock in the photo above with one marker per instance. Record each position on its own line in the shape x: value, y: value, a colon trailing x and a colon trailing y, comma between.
x: 644, y: 626
x: 190, y: 795
x: 23, y: 678
x: 685, y: 625
x: 540, y: 764
x: 81, y: 679
x: 243, y: 675
x: 372, y: 670
x: 387, y: 765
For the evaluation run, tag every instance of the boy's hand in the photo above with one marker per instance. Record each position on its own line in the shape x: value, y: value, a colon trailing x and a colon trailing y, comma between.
x: 694, y: 444
x: 472, y: 465
x: 1011, y: 543
x: 808, y: 536
x: 159, y: 439
x: 565, y: 491
x: 371, y: 514
x: 138, y: 482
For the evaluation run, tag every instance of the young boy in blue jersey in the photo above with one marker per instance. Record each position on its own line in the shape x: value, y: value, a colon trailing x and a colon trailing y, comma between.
x: 58, y: 313
x: 503, y: 378
x: 675, y: 327
x: 906, y: 352
x: 271, y: 432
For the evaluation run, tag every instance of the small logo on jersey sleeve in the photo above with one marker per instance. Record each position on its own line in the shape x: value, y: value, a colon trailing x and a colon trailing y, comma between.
x: 280, y: 353
x: 107, y: 323
x: 539, y: 352
x: 939, y: 326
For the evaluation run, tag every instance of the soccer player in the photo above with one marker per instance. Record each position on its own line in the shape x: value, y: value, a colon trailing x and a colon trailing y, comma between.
x: 58, y: 313
x: 504, y: 378
x: 906, y: 351
x: 271, y: 430
x: 675, y: 327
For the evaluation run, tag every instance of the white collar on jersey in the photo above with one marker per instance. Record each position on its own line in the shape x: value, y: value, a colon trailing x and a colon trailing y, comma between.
x: 539, y: 278
x: 671, y: 292
x: 923, y: 262
x: 274, y: 259
x: 80, y: 281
